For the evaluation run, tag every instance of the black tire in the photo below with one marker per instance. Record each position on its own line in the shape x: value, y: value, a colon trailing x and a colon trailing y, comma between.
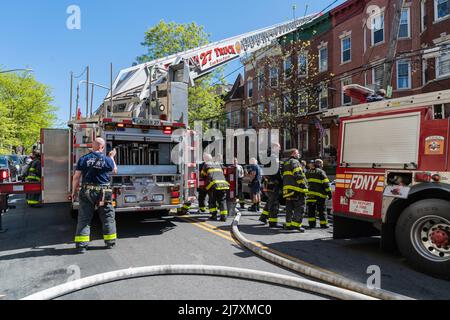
x: 413, y: 244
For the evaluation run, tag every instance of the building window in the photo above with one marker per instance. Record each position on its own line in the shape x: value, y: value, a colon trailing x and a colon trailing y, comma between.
x: 273, y: 77
x: 377, y: 29
x: 441, y: 9
x: 443, y: 65
x: 404, y: 74
x: 303, y: 139
x: 261, y: 110
x: 261, y: 81
x: 302, y: 102
x: 287, y: 140
x: 423, y: 15
x: 323, y: 59
x: 287, y: 103
x: 303, y: 64
x: 377, y: 77
x: 404, y: 31
x: 425, y: 78
x: 346, y: 100
x: 273, y: 108
x: 250, y: 88
x: 235, y: 119
x: 287, y: 67
x: 250, y: 119
x: 346, y: 45
x: 323, y: 97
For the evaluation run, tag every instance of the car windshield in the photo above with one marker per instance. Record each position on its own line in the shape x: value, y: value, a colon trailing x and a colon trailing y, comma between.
x: 3, y: 162
x: 15, y: 159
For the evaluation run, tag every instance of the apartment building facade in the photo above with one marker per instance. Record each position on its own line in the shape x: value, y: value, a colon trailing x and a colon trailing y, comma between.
x: 347, y: 45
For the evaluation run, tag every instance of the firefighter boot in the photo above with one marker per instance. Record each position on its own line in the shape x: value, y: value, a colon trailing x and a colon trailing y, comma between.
x: 275, y: 225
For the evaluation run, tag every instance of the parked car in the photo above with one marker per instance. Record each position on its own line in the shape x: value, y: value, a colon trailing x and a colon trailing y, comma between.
x: 8, y: 170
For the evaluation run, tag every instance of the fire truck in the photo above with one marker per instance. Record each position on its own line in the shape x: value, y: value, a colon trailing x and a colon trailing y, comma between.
x: 144, y: 117
x: 393, y: 177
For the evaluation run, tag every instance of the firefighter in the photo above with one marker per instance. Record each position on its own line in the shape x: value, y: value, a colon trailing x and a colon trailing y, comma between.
x: 272, y: 186
x: 240, y: 173
x: 34, y: 174
x: 217, y: 188
x: 319, y: 191
x: 93, y: 170
x: 202, y: 193
x: 294, y: 191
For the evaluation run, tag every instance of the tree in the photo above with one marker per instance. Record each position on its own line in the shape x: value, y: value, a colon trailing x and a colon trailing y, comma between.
x: 166, y: 39
x: 291, y: 86
x: 25, y: 108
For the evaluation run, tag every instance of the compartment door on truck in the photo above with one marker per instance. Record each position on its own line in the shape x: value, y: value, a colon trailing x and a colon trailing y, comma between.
x: 388, y: 142
x: 55, y: 165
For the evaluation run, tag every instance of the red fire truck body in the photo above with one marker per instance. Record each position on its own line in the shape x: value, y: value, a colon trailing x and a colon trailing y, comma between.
x: 393, y: 178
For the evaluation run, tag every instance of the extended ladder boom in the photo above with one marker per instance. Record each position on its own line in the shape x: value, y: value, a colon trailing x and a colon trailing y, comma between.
x: 420, y: 100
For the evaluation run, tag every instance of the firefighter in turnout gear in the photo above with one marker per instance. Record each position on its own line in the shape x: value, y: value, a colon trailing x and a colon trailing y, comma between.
x: 202, y: 193
x: 272, y: 187
x: 294, y: 191
x: 34, y: 174
x: 319, y: 191
x: 93, y: 171
x: 217, y: 188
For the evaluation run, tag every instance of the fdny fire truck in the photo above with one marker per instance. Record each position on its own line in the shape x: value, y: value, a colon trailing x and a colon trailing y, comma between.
x: 393, y: 177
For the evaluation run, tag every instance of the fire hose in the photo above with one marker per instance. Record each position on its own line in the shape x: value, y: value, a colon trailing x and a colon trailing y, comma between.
x: 218, y: 271
x: 312, y: 271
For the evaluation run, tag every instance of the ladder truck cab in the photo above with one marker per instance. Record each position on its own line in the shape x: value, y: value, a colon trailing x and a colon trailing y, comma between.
x: 393, y: 178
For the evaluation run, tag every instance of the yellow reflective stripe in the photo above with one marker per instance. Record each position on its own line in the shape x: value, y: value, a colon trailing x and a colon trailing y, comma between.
x: 292, y: 188
x: 312, y: 220
x: 315, y: 181
x: 79, y: 239
x: 299, y: 169
x: 33, y: 178
x: 217, y: 182
x: 326, y: 180
x: 224, y: 213
x: 288, y: 224
x: 187, y: 207
x: 288, y: 173
x: 324, y: 222
x: 296, y: 224
x: 312, y: 193
x: 328, y: 190
x: 110, y: 237
x: 265, y: 213
x: 202, y: 208
x: 32, y: 170
x: 32, y: 202
x: 287, y: 195
x: 215, y: 170
x: 273, y: 220
x: 211, y: 210
x: 301, y: 181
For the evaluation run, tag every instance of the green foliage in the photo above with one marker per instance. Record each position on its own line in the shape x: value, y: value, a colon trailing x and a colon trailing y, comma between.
x: 25, y: 108
x: 165, y: 39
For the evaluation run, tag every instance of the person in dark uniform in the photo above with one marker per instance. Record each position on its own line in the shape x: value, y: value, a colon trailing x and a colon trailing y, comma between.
x: 93, y: 171
x: 255, y: 173
x: 319, y: 191
x: 217, y: 188
x: 272, y: 187
x: 202, y: 193
x: 34, y: 174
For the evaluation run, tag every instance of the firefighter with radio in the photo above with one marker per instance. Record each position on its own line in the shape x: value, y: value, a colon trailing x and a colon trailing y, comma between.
x: 34, y: 174
x: 294, y: 191
x: 272, y: 187
x: 93, y: 171
x: 217, y: 188
x: 319, y: 191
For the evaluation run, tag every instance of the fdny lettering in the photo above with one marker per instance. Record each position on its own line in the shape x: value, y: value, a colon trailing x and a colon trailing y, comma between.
x: 360, y: 182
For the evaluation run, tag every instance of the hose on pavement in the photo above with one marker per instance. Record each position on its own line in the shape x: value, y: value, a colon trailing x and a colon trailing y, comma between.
x: 312, y: 271
x: 246, y: 274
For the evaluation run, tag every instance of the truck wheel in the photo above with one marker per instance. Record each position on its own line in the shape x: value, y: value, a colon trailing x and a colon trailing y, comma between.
x: 74, y: 213
x: 423, y: 236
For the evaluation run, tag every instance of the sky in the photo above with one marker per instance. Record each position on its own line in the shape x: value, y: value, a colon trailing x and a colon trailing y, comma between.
x: 33, y: 34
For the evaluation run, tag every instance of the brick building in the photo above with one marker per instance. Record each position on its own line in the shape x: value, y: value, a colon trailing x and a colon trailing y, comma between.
x: 347, y: 45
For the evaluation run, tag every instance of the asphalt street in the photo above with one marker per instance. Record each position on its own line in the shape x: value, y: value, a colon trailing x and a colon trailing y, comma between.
x: 37, y: 253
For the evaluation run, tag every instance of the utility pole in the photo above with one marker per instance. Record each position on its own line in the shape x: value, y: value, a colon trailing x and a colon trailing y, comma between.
x: 393, y: 41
